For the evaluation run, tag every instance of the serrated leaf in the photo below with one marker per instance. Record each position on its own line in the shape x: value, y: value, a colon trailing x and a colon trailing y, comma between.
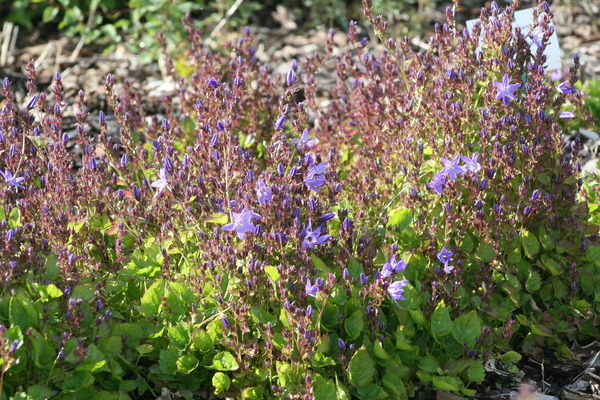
x: 221, y: 382
x: 186, y: 363
x: 372, y: 392
x: 485, y: 252
x: 152, y: 300
x: 179, y: 335
x: 354, y: 324
x: 167, y: 361
x: 320, y: 265
x: 551, y: 265
x: 448, y: 383
x: 467, y: 244
x: 224, y: 361
x: 533, y: 282
x: 361, y: 368
x: 325, y: 390
x: 400, y: 218
x: 476, y: 372
x: 531, y: 245
x: 441, y: 324
x: 467, y: 328
x: 510, y: 357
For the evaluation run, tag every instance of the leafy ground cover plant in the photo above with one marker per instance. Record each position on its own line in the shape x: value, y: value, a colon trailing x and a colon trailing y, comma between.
x: 428, y: 220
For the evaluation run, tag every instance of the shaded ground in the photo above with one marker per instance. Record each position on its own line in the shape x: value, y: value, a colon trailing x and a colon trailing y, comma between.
x: 85, y: 69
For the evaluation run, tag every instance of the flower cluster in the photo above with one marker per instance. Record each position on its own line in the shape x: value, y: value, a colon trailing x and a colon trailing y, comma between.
x: 452, y: 168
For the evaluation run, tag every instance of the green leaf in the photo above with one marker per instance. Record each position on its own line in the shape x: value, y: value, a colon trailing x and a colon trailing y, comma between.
x: 187, y: 363
x: 531, y: 246
x: 260, y: 315
x: 325, y: 390
x: 354, y: 324
x: 448, y: 383
x: 77, y: 380
x: 224, y: 361
x: 152, y: 300
x: 39, y: 392
x: 202, y: 340
x: 551, y: 265
x: 429, y: 364
x: 284, y: 373
x: 355, y: 268
x: 400, y: 218
x: 476, y: 372
x: 320, y: 265
x: 43, y: 353
x: 361, y: 368
x: 22, y: 312
x: 272, y: 273
x: 167, y: 361
x: 221, y: 382
x: 371, y: 392
x: 592, y: 254
x: 467, y: 328
x: 111, y: 346
x: 467, y: 244
x: 485, y: 252
x: 253, y: 393
x: 441, y: 324
x: 513, y: 255
x: 218, y: 218
x: 533, y: 282
x: 180, y: 336
x: 85, y: 292
x: 510, y: 357
x: 391, y: 381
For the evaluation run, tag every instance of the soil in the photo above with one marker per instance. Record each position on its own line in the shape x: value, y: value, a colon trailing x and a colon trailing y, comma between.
x: 85, y: 68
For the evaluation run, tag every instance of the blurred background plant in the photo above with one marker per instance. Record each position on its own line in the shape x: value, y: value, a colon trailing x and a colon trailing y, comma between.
x: 136, y: 23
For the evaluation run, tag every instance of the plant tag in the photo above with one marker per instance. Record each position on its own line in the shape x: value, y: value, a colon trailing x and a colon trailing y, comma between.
x: 523, y: 19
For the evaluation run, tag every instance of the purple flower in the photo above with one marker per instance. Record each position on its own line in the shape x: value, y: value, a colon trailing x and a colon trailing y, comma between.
x: 242, y: 223
x: 291, y: 77
x: 445, y: 256
x: 213, y: 82
x: 537, y: 37
x: 451, y: 167
x: 396, y: 290
x: 506, y: 89
x: 279, y: 123
x: 311, y: 290
x: 12, y: 180
x: 393, y: 266
x: 263, y: 192
x: 313, y: 238
x: 565, y: 88
x: 315, y: 178
x: 162, y: 183
x: 471, y: 164
x: 304, y: 141
x: 566, y: 115
x: 437, y: 183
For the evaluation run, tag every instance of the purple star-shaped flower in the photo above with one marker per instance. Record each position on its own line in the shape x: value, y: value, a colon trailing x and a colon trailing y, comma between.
x: 263, y: 192
x: 445, y: 256
x: 242, y: 223
x: 437, y: 183
x: 304, y: 141
x: 506, y: 89
x: 12, y: 180
x: 396, y: 290
x: 311, y: 290
x: 315, y: 178
x: 313, y: 238
x: 566, y: 115
x: 393, y: 267
x: 564, y: 88
x: 471, y: 164
x: 162, y: 183
x: 451, y: 167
